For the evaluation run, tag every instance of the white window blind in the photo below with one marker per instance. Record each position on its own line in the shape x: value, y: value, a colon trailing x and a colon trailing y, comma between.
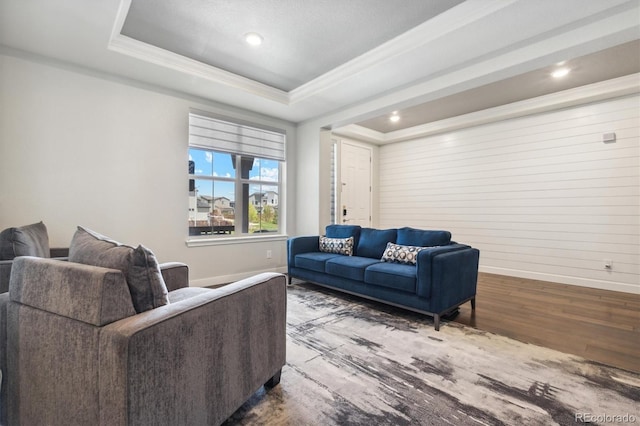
x: 233, y: 138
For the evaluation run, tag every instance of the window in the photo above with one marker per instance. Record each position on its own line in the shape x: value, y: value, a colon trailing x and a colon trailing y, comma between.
x: 234, y: 178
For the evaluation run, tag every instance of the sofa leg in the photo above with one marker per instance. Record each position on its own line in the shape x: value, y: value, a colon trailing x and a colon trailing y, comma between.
x: 436, y: 322
x: 273, y: 381
x: 473, y: 304
x: 289, y: 278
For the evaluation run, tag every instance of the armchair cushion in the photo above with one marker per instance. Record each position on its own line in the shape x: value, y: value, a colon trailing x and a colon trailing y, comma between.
x: 139, y: 265
x: 28, y: 240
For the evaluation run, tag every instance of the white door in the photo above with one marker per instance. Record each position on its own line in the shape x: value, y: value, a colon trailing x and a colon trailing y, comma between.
x: 355, y: 176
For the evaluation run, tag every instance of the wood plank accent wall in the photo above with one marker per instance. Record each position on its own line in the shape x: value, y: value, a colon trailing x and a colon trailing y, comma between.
x: 541, y: 196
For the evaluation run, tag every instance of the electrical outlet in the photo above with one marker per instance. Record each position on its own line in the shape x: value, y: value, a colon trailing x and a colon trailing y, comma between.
x: 269, y: 254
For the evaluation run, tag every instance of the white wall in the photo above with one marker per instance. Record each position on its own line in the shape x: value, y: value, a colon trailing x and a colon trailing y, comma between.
x: 541, y: 196
x: 81, y: 149
x: 308, y: 192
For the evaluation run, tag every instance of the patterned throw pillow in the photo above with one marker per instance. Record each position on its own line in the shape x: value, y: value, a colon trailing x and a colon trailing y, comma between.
x: 397, y: 253
x: 337, y: 245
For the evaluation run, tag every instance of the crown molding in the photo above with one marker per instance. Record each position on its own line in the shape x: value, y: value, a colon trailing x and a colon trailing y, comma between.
x: 155, y: 55
x: 406, y: 43
x: 405, y: 48
x: 360, y: 133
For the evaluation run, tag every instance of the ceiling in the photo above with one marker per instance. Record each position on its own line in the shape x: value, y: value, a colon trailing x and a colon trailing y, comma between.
x: 301, y: 43
x: 603, y: 65
x: 333, y: 62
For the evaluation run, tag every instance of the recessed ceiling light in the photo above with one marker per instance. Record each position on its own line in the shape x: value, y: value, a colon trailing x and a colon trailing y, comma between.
x: 560, y: 72
x: 254, y: 39
x: 394, y: 117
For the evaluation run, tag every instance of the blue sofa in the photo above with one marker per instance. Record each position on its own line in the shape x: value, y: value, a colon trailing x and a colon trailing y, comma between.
x: 361, y: 261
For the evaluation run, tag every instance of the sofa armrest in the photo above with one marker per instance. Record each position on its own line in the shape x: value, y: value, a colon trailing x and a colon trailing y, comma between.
x: 175, y: 275
x: 455, y: 278
x: 425, y: 267
x: 221, y: 345
x: 297, y: 245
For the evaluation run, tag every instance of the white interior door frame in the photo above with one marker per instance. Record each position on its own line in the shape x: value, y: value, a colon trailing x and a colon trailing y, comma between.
x: 355, y: 173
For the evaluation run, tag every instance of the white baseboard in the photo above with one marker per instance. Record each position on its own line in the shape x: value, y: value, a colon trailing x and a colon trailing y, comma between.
x: 562, y: 279
x: 225, y: 279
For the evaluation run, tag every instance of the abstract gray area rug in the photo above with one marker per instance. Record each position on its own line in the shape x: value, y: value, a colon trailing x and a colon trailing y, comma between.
x: 354, y: 362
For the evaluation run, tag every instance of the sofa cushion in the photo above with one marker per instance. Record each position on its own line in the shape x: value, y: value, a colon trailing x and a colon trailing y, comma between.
x: 351, y: 267
x: 373, y: 242
x: 139, y: 265
x: 337, y: 245
x: 396, y: 253
x: 422, y: 238
x: 28, y: 240
x: 392, y: 275
x: 314, y: 261
x: 344, y: 231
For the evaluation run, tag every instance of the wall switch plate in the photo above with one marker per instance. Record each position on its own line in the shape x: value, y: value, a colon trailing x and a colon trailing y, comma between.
x: 269, y: 254
x: 609, y: 137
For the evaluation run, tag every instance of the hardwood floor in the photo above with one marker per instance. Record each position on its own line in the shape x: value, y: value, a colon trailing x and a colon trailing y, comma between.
x: 599, y: 325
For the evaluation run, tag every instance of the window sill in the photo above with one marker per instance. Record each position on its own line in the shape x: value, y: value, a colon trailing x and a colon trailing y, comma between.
x: 219, y: 241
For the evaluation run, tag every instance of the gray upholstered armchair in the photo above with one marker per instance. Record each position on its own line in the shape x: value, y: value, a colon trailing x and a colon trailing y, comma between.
x: 28, y: 240
x: 78, y: 353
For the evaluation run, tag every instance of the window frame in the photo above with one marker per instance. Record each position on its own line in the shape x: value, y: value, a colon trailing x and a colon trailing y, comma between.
x: 240, y: 209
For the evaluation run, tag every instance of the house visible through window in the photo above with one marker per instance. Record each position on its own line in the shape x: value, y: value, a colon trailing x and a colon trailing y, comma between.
x: 234, y: 178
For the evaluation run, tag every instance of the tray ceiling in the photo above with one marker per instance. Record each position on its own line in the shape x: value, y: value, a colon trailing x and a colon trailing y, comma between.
x: 603, y: 65
x: 302, y: 41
